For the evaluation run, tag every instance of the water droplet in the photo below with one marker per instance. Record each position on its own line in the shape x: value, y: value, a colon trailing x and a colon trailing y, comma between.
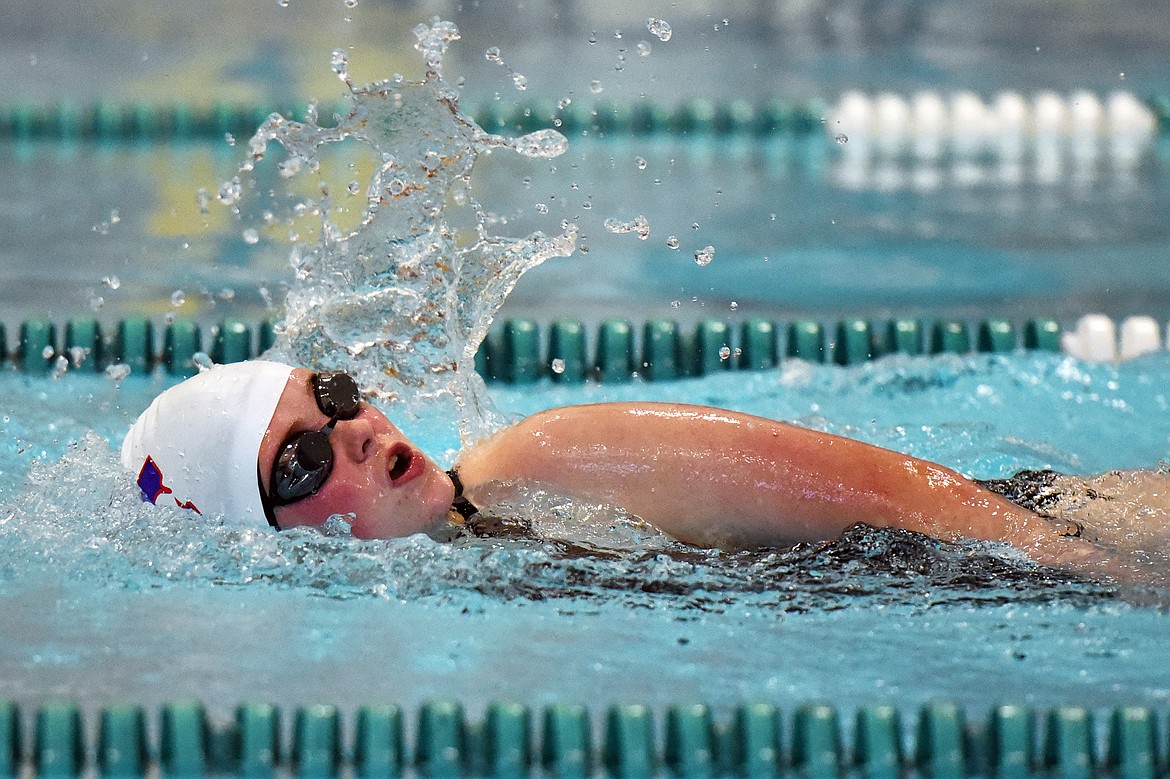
x: 118, y: 371
x: 724, y: 352
x: 519, y: 81
x: 47, y: 352
x: 595, y: 87
x: 542, y: 143
x: 251, y: 236
x: 640, y: 163
x: 493, y: 55
x: 771, y: 217
x: 676, y: 304
x: 841, y: 138
x: 541, y: 208
x: 593, y: 37
x: 396, y: 187
x: 1121, y: 75
x: 178, y: 298
x: 564, y: 103
x: 433, y: 40
x: 354, y: 187
x: 639, y: 225
x: 558, y: 366
x: 672, y: 242
x: 659, y: 28
x: 339, y: 61
x: 734, y: 306
x: 705, y: 255
x: 227, y: 294
x: 644, y: 48
x: 694, y: 225
x: 282, y: 3
x: 351, y: 3
x: 113, y: 282
x: 229, y: 192
x: 617, y: 34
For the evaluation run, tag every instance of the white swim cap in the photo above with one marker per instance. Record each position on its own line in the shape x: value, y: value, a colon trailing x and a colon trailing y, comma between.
x: 198, y: 442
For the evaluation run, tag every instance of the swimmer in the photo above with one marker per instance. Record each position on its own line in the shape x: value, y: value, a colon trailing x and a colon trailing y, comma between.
x: 264, y: 443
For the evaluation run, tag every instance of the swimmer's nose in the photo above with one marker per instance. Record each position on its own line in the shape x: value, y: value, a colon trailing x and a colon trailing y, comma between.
x: 353, y: 439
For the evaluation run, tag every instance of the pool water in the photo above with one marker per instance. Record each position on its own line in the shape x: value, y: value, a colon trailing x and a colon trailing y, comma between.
x: 106, y: 598
x: 109, y: 598
x: 791, y: 227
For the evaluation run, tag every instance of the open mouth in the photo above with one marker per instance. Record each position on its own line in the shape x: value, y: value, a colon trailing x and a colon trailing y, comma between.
x: 404, y: 464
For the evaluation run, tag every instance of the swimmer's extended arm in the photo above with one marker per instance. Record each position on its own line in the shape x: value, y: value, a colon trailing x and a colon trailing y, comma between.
x: 719, y: 478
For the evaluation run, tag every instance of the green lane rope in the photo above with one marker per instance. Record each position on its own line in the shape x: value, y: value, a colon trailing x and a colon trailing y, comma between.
x: 145, y: 122
x: 514, y: 351
x: 758, y: 741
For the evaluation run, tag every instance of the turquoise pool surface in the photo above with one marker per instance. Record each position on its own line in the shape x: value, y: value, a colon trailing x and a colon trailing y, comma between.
x: 107, y: 598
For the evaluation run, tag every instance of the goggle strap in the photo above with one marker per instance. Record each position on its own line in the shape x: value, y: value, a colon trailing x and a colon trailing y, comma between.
x: 266, y: 502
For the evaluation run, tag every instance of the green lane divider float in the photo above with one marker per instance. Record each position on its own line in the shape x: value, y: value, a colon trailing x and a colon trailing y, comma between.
x: 146, y: 122
x: 757, y: 741
x: 519, y: 351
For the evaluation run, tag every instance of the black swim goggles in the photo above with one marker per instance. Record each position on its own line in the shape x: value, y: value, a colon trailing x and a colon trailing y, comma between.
x: 305, y: 459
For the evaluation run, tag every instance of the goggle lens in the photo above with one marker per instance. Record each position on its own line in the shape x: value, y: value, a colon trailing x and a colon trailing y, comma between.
x: 305, y: 460
x: 337, y: 395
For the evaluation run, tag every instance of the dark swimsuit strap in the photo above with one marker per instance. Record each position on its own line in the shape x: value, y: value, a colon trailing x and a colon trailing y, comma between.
x: 461, y: 505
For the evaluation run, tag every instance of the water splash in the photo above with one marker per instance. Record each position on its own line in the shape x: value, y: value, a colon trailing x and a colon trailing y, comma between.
x: 659, y: 28
x: 403, y: 299
x: 639, y: 225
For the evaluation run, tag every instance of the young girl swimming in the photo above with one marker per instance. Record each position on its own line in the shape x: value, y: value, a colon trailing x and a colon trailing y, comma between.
x: 261, y: 441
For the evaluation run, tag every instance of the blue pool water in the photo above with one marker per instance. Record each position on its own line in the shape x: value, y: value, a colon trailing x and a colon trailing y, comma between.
x: 106, y: 599
x: 791, y: 237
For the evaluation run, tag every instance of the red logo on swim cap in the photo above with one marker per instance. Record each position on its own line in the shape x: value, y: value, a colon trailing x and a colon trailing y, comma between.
x: 150, y: 481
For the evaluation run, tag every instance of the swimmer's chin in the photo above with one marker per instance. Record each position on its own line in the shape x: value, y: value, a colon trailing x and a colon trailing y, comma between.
x: 428, y: 515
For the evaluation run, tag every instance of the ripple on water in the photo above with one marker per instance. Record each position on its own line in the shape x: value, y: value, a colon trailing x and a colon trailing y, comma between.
x: 83, y: 519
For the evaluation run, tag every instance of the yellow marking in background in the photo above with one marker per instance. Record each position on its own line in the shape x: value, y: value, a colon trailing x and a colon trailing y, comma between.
x: 219, y: 65
x: 379, y: 43
x: 178, y: 175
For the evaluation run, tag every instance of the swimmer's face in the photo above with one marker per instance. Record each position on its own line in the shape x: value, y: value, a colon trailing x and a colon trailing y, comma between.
x: 390, y: 488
